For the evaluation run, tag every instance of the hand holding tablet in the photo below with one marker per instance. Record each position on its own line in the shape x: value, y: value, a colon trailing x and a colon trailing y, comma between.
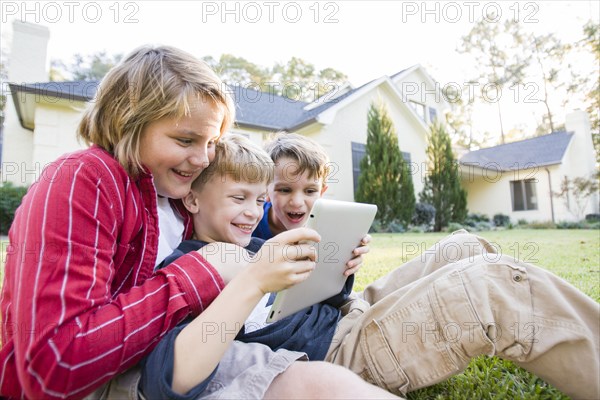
x: 342, y: 225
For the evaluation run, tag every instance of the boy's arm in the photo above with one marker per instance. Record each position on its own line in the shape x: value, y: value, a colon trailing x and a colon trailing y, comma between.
x: 227, y: 258
x: 201, y: 344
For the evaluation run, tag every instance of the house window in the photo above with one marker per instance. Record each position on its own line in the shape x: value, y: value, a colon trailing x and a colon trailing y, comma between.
x: 406, y: 157
x: 523, y: 195
x: 358, y: 152
x: 432, y: 114
x: 419, y: 109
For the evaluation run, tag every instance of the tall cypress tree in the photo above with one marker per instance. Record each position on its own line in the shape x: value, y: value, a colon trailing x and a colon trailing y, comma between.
x: 385, y: 178
x: 442, y: 187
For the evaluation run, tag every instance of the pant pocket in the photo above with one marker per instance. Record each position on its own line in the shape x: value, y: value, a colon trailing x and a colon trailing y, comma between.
x: 406, y: 350
x: 491, y: 306
x: 383, y: 367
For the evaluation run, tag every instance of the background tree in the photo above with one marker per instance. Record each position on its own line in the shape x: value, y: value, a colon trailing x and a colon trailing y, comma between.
x: 297, y: 79
x: 3, y: 74
x: 4, y: 85
x: 84, y: 67
x: 442, y: 187
x: 385, y: 178
x: 300, y: 80
x: 549, y: 53
x: 591, y: 42
x: 238, y: 71
x: 576, y: 193
x: 491, y: 44
x: 459, y: 121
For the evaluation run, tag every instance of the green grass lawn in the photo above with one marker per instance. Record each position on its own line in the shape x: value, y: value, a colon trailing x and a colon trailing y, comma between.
x: 574, y: 255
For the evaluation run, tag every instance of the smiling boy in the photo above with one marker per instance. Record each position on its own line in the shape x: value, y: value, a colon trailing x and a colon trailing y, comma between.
x: 301, y: 169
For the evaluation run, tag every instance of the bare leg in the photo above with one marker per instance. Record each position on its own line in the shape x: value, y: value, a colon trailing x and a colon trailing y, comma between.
x: 317, y: 380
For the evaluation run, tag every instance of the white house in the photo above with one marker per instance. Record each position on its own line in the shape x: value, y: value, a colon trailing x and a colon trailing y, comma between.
x: 515, y: 179
x: 45, y: 115
x: 519, y: 179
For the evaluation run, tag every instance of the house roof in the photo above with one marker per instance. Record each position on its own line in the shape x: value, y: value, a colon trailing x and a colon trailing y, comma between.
x: 70, y: 90
x: 254, y: 109
x: 539, y: 151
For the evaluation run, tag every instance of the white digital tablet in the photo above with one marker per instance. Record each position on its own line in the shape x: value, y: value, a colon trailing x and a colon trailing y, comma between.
x: 342, y: 225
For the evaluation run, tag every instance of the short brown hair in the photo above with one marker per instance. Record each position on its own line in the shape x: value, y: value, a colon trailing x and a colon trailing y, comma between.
x: 239, y: 158
x: 309, y: 154
x: 149, y: 84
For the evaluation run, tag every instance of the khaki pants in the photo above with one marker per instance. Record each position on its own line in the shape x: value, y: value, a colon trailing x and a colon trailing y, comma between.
x: 423, y: 322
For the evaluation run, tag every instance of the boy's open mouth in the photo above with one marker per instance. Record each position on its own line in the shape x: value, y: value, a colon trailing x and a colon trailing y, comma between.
x: 296, y: 217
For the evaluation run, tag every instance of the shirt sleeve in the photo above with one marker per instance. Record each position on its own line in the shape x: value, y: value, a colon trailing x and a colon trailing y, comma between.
x: 157, y: 372
x: 73, y: 325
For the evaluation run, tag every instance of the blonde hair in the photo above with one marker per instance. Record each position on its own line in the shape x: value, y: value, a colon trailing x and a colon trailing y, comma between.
x: 309, y: 155
x: 238, y: 157
x: 149, y: 84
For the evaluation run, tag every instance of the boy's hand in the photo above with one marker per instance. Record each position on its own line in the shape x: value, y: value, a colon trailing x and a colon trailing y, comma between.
x: 283, y: 262
x: 356, y: 263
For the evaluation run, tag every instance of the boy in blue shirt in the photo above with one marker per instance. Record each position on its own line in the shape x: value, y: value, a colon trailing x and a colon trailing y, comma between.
x: 301, y: 170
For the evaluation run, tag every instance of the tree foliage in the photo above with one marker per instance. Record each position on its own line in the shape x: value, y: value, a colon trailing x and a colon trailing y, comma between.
x: 237, y: 70
x: 10, y: 199
x: 84, y: 67
x: 442, y: 187
x: 296, y: 79
x: 385, y: 178
x: 3, y: 80
x: 549, y: 53
x: 591, y: 41
x: 499, y: 63
x: 576, y: 193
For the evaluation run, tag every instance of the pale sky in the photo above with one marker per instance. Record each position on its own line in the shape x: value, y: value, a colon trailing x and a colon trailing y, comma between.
x: 364, y: 39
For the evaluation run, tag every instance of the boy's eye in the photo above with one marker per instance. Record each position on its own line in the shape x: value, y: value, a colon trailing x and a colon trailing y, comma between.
x: 239, y: 198
x: 184, y: 141
x: 283, y: 190
x: 260, y: 201
x: 311, y: 191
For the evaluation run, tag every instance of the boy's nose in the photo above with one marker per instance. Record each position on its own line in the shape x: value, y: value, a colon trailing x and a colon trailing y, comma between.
x: 296, y: 199
x: 253, y: 212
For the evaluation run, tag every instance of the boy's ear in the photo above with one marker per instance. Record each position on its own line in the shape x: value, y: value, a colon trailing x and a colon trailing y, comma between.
x: 191, y: 203
x: 324, y: 189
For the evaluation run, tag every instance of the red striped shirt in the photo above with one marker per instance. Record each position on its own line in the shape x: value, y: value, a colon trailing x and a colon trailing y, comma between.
x: 80, y: 302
